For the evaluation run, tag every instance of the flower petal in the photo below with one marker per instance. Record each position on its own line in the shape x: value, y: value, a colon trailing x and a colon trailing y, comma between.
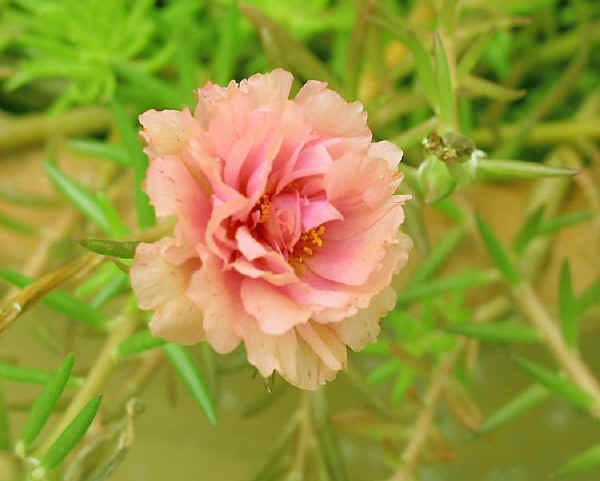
x: 330, y: 114
x: 361, y: 329
x: 154, y: 280
x: 275, y: 312
x: 216, y: 293
x: 178, y: 320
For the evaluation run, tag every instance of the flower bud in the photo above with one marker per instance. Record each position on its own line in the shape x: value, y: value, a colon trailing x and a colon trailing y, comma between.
x: 436, y: 180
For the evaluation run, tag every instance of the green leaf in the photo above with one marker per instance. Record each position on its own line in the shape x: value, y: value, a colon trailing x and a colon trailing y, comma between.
x: 590, y: 296
x: 157, y: 92
x: 471, y: 57
x: 504, y: 332
x: 228, y: 47
x: 403, y: 381
x: 583, y: 462
x: 270, y: 469
x: 190, y: 376
x: 72, y: 434
x: 5, y: 437
x: 102, y: 150
x: 497, y: 252
x: 60, y: 301
x: 384, y: 371
x: 481, y: 87
x: 468, y: 279
x: 423, y: 61
x: 120, y: 249
x: 15, y: 225
x: 438, y: 255
x: 145, y: 211
x: 112, y: 216
x: 285, y: 50
x: 528, y: 399
x: 98, y: 211
x: 326, y: 436
x: 446, y: 95
x: 27, y: 198
x: 556, y: 383
x: 568, y: 306
x: 451, y: 210
x: 32, y: 375
x: 529, y: 230
x: 139, y: 342
x: 106, y: 273
x: 492, y: 169
x: 552, y: 225
x: 117, y: 285
x: 44, y: 405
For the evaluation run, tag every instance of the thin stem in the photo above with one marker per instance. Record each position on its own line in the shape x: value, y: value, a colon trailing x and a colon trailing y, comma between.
x: 31, y: 129
x: 305, y: 439
x: 552, y: 133
x: 424, y: 422
x: 568, y: 359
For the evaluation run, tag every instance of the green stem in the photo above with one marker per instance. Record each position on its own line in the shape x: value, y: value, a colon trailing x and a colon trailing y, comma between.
x: 35, y: 128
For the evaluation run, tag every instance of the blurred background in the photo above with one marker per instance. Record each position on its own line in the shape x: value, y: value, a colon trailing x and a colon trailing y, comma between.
x: 445, y: 80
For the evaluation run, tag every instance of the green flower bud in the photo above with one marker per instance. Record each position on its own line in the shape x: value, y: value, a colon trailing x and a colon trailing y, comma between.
x: 436, y: 180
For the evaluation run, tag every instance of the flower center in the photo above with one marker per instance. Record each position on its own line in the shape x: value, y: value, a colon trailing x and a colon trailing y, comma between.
x: 264, y: 207
x: 309, y: 242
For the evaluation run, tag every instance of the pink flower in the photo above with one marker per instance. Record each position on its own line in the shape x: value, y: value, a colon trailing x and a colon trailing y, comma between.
x: 287, y: 231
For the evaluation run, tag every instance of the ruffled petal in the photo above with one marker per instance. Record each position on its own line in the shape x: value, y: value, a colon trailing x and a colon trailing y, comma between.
x: 154, y: 280
x: 325, y: 343
x: 173, y: 190
x: 166, y: 131
x: 178, y: 320
x: 216, y: 293
x: 361, y: 329
x: 330, y: 114
x: 351, y: 261
x: 275, y: 312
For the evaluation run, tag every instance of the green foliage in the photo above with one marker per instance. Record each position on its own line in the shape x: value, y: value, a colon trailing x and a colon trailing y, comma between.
x: 123, y: 250
x: 140, y: 342
x: 100, y: 150
x: 44, y: 405
x: 497, y: 252
x: 31, y: 375
x: 528, y: 399
x: 60, y: 301
x: 556, y: 383
x: 583, y: 462
x: 145, y: 212
x: 15, y: 225
x: 190, y: 376
x: 503, y: 332
x: 71, y: 436
x: 5, y: 436
x: 95, y: 206
x: 82, y: 44
x: 443, y: 80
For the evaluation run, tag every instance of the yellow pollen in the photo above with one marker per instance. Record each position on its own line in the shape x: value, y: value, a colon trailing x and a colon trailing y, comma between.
x: 308, y: 242
x: 265, y: 207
